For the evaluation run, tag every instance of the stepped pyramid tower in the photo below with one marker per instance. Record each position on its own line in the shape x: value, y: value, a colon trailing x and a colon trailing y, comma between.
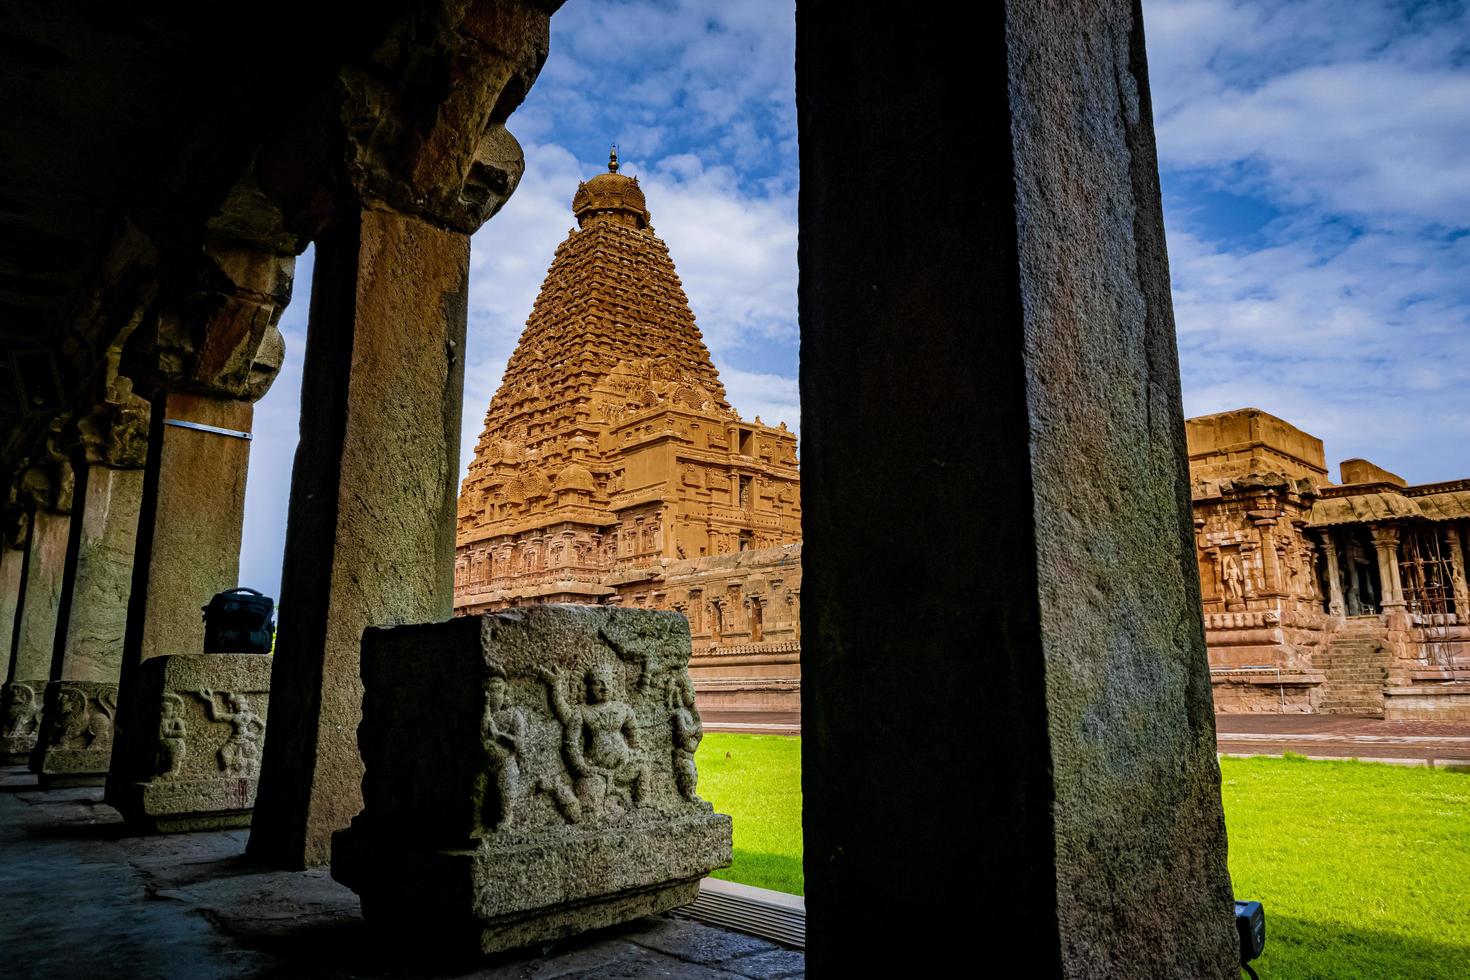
x: 612, y: 467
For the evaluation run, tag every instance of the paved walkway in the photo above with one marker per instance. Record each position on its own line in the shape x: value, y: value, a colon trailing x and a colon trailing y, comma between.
x: 1317, y: 736
x: 1343, y: 737
x: 752, y: 722
x: 79, y: 894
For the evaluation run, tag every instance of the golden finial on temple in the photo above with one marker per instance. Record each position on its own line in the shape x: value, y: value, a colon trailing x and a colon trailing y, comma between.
x: 612, y: 160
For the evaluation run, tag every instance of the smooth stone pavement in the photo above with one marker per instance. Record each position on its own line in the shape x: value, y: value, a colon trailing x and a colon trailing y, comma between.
x: 80, y: 888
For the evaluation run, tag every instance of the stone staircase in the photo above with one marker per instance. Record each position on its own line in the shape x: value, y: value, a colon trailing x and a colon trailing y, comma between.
x: 1355, y: 666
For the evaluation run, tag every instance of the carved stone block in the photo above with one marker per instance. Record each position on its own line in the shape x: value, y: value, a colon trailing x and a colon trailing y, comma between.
x: 530, y: 775
x: 75, y: 743
x: 206, y: 717
x: 20, y: 720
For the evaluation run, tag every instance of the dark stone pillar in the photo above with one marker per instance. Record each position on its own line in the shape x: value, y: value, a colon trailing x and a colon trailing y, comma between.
x: 1018, y: 753
x: 370, y: 536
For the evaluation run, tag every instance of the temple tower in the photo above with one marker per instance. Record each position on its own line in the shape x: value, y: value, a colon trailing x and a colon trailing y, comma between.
x: 610, y: 450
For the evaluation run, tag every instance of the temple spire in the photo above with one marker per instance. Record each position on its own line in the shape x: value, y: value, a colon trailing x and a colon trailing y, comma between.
x: 612, y: 160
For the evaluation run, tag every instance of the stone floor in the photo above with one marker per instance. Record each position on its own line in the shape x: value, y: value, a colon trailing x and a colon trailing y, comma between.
x: 79, y: 893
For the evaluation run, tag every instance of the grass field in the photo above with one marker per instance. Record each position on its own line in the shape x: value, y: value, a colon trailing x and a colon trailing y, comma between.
x: 1364, y: 869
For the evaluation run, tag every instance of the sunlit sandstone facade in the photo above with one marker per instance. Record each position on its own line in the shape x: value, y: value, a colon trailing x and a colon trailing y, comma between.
x: 1343, y: 598
x: 612, y: 469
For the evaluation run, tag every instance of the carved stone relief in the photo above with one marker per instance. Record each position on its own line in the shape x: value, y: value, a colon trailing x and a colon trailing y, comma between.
x: 240, y: 755
x: 22, y: 711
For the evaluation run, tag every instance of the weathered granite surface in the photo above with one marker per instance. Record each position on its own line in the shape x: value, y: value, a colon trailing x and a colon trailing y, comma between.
x: 207, y: 716
x: 530, y: 775
x: 75, y: 743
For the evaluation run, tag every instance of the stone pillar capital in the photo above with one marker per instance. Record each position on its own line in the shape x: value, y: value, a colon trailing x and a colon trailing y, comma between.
x: 219, y: 336
x: 113, y: 431
x: 1385, y: 535
x: 47, y: 485
x: 424, y: 117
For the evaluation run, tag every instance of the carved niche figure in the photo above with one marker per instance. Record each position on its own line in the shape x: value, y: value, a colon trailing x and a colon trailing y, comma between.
x: 688, y: 733
x: 600, y: 747
x: 501, y: 731
x: 171, y: 735
x: 240, y: 755
x: 79, y: 727
x: 1234, y: 580
x: 22, y: 713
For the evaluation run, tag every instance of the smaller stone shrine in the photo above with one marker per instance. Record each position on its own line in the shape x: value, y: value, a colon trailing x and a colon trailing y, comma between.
x: 20, y: 719
x: 204, y: 718
x: 75, y: 743
x: 529, y: 775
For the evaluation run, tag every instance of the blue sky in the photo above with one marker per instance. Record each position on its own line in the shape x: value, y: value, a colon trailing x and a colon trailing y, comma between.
x: 1315, y: 159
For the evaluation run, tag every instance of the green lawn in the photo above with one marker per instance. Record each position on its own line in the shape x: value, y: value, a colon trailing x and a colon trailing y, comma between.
x: 757, y: 780
x: 1364, y: 868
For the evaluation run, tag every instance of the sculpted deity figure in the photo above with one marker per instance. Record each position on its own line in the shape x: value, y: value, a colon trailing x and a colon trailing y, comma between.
x: 1234, y: 580
x: 171, y: 735
x: 600, y: 745
x: 688, y: 733
x: 240, y: 755
x: 501, y: 730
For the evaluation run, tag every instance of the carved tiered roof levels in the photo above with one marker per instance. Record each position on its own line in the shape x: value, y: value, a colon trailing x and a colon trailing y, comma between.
x: 610, y: 448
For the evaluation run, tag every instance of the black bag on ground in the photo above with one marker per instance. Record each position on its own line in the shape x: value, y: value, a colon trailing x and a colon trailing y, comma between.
x: 239, y: 621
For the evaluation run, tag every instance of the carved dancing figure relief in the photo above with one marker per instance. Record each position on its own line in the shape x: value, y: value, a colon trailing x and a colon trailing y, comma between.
x: 171, y: 734
x: 600, y: 746
x: 688, y: 733
x: 240, y: 755
x: 22, y: 713
x: 501, y: 730
x: 79, y: 727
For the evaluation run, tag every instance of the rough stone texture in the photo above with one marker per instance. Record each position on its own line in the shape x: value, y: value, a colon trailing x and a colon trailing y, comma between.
x: 105, y: 532
x: 207, y: 717
x: 35, y: 630
x: 370, y: 536
x: 530, y: 775
x: 76, y: 738
x: 1012, y: 303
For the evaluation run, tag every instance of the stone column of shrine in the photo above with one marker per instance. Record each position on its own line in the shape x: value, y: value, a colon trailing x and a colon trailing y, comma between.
x: 45, y: 491
x: 982, y: 240
x: 202, y: 364
x: 371, y: 525
x: 1391, y: 588
x: 1335, y: 604
x: 1270, y: 560
x: 108, y: 445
